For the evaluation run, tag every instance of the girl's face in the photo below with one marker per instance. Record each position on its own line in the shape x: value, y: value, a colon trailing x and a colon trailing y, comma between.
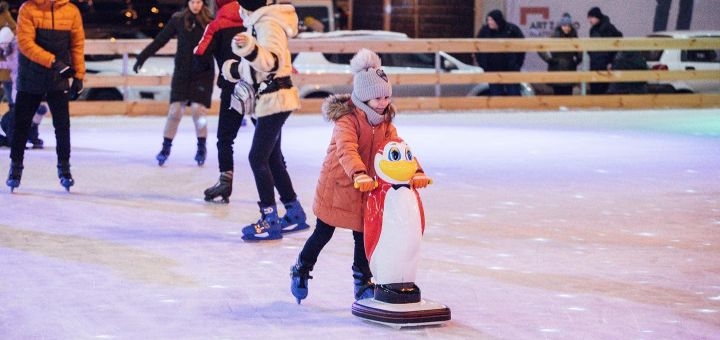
x: 379, y: 104
x: 195, y: 6
x: 566, y: 29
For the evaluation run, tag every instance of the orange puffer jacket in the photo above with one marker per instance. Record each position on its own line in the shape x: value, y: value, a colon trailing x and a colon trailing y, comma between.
x: 352, y: 149
x: 47, y: 31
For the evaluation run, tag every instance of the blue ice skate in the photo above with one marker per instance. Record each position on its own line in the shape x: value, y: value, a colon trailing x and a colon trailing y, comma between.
x: 364, y: 288
x: 294, y: 219
x: 14, y: 176
x: 65, y: 176
x: 299, y: 276
x: 266, y: 228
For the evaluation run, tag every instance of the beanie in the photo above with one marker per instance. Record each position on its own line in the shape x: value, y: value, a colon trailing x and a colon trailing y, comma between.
x: 252, y: 5
x: 566, y: 20
x: 6, y: 35
x: 369, y: 80
x: 595, y: 12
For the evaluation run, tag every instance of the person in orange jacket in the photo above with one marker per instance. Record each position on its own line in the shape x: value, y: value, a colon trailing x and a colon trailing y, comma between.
x: 363, y: 122
x: 51, y: 40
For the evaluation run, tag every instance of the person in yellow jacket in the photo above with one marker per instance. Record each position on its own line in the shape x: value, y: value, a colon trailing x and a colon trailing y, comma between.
x: 51, y: 41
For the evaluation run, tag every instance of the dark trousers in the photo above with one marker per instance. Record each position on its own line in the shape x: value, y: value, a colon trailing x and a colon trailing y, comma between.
x: 321, y: 236
x: 25, y: 106
x: 267, y: 161
x: 562, y: 89
x: 598, y: 88
x: 229, y: 122
x: 504, y: 89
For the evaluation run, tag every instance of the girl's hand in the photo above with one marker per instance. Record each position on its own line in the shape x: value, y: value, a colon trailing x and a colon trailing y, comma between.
x: 419, y: 181
x: 364, y: 183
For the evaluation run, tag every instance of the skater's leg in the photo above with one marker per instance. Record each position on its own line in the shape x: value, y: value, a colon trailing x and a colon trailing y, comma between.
x: 25, y: 105
x: 199, y: 112
x: 300, y: 272
x: 228, y: 125
x: 364, y: 288
x: 267, y: 134
x: 58, y: 102
x: 175, y: 113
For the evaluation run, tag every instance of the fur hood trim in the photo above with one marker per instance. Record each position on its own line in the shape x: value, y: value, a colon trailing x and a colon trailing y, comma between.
x: 338, y: 105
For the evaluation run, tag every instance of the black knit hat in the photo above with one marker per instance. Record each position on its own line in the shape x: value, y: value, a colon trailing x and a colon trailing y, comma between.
x: 252, y: 5
x: 595, y: 12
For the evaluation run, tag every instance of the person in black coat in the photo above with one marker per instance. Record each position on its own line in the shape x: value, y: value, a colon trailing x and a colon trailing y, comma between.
x: 563, y: 60
x: 601, y: 60
x: 498, y: 28
x: 188, y: 89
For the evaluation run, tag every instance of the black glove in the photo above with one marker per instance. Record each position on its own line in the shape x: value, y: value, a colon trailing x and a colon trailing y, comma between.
x: 138, y: 65
x: 63, y: 69
x: 76, y: 89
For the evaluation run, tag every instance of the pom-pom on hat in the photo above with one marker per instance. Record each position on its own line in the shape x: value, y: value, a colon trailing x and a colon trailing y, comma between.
x: 6, y: 35
x: 252, y: 5
x: 566, y: 20
x: 595, y: 12
x: 369, y: 80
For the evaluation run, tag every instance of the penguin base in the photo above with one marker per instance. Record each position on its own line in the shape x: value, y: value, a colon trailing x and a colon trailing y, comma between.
x: 422, y: 313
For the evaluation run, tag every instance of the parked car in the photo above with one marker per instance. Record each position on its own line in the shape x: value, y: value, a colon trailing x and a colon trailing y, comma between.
x: 684, y: 60
x: 393, y: 63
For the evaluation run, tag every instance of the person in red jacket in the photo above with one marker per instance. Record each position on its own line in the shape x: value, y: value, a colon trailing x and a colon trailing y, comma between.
x: 51, y: 40
x: 216, y: 42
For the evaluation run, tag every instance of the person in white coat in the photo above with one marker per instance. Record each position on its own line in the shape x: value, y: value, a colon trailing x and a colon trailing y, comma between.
x: 265, y: 46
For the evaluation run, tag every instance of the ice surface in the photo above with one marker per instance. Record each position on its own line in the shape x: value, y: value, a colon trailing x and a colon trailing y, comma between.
x: 540, y: 225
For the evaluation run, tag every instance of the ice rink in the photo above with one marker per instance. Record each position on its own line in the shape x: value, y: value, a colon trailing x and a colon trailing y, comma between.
x: 540, y: 225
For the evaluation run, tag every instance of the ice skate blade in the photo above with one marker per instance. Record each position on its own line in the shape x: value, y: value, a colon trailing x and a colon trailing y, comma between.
x: 253, y: 238
x: 224, y: 200
x: 423, y: 313
x: 293, y: 228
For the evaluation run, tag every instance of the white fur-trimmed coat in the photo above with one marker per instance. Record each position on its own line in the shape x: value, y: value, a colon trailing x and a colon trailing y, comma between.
x: 273, y: 26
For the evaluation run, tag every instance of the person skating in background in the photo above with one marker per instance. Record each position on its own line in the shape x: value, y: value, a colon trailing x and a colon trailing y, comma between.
x: 9, y: 61
x: 51, y: 40
x: 363, y: 122
x: 565, y: 60
x: 216, y: 42
x: 187, y: 89
x: 6, y: 20
x: 498, y: 28
x: 265, y: 46
x: 601, y: 60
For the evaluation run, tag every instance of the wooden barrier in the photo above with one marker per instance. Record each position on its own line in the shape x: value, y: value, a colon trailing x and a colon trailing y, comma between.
x: 147, y: 107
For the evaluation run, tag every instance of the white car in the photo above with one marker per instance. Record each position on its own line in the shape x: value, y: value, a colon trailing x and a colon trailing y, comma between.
x: 684, y: 60
x: 393, y: 63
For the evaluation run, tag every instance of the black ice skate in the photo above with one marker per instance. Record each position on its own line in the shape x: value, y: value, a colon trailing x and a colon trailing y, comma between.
x: 64, y: 175
x: 14, y: 176
x: 163, y: 155
x: 223, y: 189
x: 201, y: 154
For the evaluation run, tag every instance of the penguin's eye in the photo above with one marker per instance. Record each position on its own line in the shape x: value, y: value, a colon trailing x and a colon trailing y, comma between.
x: 408, y: 154
x: 394, y: 154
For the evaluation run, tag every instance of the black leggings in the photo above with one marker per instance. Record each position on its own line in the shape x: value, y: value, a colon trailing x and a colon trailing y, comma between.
x: 267, y: 161
x: 321, y: 236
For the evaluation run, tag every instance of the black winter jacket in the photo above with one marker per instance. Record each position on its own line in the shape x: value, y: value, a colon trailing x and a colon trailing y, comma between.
x: 500, y: 61
x: 186, y: 85
x: 603, y: 29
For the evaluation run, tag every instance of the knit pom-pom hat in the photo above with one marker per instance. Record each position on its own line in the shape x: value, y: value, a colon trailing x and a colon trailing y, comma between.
x: 369, y: 81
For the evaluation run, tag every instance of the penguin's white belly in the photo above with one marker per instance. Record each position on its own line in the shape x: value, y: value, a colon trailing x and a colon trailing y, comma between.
x: 397, y: 252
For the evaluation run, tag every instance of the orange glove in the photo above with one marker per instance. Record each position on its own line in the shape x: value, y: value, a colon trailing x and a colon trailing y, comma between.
x: 419, y: 180
x: 364, y: 183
